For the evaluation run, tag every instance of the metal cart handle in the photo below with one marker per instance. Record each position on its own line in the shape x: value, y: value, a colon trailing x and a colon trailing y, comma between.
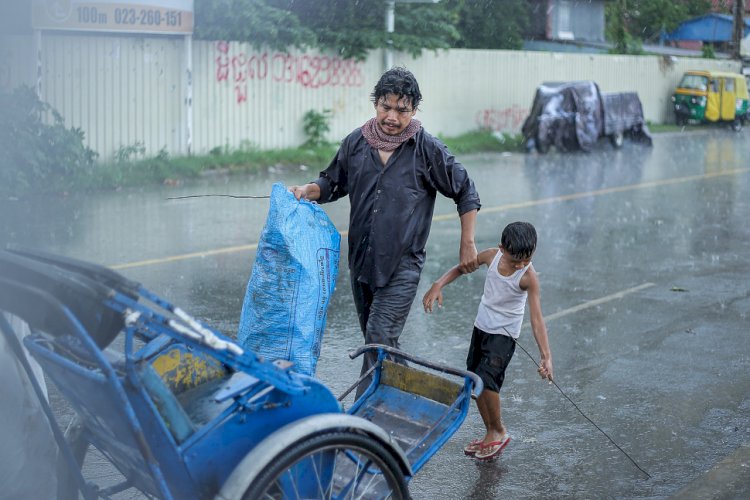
x: 478, y: 384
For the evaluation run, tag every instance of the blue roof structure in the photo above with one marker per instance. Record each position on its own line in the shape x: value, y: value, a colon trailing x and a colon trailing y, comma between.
x: 708, y: 28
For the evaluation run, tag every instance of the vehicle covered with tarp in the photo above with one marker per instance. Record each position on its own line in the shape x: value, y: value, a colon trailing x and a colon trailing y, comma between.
x: 575, y: 115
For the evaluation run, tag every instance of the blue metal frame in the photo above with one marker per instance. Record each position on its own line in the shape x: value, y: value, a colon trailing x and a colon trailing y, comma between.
x: 181, y: 462
x: 462, y: 403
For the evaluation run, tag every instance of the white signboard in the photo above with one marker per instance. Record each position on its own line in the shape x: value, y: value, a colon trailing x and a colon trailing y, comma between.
x: 129, y: 16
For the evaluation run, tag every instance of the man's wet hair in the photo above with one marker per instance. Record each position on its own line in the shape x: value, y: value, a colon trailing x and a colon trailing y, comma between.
x: 399, y: 82
x: 519, y: 239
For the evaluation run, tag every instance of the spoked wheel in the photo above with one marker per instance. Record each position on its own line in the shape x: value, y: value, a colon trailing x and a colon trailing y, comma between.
x: 334, y: 465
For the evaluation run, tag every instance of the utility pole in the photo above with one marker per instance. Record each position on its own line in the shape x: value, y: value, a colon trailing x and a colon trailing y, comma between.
x: 738, y: 28
x: 390, y: 21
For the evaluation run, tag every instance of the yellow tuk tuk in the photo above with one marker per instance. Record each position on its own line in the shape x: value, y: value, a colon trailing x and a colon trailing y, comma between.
x: 711, y: 96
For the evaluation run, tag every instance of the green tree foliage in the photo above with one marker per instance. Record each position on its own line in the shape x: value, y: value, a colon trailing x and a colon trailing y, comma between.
x: 261, y: 23
x: 348, y: 28
x: 37, y: 151
x: 492, y: 24
x: 617, y: 29
x: 351, y: 29
x: 646, y: 19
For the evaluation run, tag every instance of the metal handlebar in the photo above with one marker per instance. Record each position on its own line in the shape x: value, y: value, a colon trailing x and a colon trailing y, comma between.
x: 478, y: 384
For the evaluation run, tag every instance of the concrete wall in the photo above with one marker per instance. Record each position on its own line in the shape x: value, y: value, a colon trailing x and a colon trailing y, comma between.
x: 123, y: 90
x: 467, y: 89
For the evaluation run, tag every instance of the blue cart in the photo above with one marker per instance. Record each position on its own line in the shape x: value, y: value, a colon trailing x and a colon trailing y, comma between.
x: 181, y: 411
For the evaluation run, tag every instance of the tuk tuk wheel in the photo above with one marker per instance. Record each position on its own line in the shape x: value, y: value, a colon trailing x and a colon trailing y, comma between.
x: 737, y: 125
x: 617, y: 139
x: 339, y: 464
x: 680, y: 119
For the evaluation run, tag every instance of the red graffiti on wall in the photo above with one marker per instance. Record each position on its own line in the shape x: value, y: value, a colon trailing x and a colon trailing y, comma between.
x: 499, y: 120
x: 309, y: 71
x: 222, y: 64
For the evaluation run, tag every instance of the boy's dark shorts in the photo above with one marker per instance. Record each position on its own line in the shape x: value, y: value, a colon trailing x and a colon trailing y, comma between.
x: 489, y: 355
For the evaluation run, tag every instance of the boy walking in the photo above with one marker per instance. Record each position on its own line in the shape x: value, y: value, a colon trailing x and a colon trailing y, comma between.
x: 511, y: 282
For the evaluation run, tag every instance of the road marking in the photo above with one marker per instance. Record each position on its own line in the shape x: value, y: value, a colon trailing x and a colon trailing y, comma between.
x: 452, y: 216
x: 581, y: 307
x: 598, y: 192
x: 595, y: 302
x: 175, y: 258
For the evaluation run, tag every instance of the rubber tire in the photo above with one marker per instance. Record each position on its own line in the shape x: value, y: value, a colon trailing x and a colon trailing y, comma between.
x: 736, y: 125
x: 617, y: 139
x: 681, y: 119
x: 262, y: 486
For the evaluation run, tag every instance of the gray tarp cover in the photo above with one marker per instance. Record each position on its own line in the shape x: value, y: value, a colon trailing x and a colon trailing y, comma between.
x: 573, y: 115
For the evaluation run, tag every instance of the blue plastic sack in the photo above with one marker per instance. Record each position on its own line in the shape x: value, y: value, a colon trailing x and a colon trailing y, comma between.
x: 293, y: 278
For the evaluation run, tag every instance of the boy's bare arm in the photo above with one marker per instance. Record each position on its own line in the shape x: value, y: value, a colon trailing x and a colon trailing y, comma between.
x: 538, y: 327
x: 435, y: 292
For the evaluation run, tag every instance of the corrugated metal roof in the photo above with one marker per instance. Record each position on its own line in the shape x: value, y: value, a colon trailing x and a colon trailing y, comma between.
x: 708, y: 28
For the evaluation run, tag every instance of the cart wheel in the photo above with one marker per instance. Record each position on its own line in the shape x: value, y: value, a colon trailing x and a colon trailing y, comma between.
x: 96, y: 468
x: 67, y: 486
x: 333, y: 465
x: 737, y: 125
x: 617, y: 139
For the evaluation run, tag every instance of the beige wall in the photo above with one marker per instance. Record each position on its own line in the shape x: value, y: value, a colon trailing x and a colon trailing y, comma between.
x: 123, y: 90
x: 466, y: 89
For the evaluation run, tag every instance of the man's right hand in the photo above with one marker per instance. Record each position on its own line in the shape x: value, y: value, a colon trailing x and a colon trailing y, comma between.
x: 306, y: 192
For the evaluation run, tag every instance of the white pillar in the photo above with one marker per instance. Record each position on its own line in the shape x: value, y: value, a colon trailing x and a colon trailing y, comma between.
x: 38, y: 57
x: 189, y: 94
x: 390, y: 21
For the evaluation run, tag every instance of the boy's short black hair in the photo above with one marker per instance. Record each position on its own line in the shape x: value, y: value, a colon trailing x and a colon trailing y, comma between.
x: 399, y: 82
x: 519, y: 239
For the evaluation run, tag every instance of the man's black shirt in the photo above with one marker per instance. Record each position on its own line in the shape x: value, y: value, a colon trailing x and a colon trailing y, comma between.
x: 392, y: 205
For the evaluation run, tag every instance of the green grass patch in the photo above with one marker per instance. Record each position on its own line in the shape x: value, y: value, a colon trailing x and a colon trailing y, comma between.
x: 127, y: 171
x: 670, y: 127
x: 162, y: 168
x: 130, y: 168
x: 482, y: 141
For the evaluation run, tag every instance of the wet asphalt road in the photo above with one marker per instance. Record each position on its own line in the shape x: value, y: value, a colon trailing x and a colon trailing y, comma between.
x: 644, y: 260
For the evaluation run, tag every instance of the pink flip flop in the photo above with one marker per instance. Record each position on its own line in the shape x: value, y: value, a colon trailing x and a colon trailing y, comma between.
x: 472, y: 448
x: 492, y: 450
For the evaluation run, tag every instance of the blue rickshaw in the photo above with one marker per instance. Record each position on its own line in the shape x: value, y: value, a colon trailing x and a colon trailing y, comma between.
x: 182, y: 411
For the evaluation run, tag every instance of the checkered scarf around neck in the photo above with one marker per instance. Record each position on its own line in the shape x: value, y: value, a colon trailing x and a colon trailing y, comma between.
x: 380, y: 140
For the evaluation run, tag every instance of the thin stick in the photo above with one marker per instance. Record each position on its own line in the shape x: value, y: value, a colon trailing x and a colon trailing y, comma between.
x: 581, y: 412
x: 217, y: 196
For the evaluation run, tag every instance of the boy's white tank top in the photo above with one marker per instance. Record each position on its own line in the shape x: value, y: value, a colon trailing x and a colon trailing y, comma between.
x: 503, y: 302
